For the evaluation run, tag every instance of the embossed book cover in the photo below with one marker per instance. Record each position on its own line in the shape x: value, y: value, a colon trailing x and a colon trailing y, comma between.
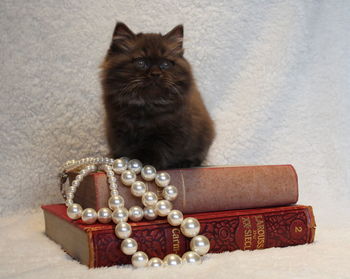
x: 96, y: 245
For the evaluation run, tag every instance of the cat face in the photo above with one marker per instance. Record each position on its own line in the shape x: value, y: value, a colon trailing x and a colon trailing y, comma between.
x: 146, y: 69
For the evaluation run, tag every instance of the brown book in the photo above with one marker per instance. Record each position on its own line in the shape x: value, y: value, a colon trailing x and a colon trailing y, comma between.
x: 96, y: 245
x: 208, y: 188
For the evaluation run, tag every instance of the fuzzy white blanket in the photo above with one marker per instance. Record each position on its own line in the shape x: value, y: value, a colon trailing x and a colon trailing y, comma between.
x: 274, y: 75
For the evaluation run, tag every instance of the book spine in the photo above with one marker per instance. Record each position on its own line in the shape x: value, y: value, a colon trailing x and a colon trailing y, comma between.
x: 226, y: 233
x: 229, y: 187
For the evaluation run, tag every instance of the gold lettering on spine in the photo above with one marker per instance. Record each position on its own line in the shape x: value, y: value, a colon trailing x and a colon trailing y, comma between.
x: 247, y: 233
x: 260, y: 226
x: 176, y: 240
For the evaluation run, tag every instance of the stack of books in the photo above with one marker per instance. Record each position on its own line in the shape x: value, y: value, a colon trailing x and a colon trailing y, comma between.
x: 239, y: 208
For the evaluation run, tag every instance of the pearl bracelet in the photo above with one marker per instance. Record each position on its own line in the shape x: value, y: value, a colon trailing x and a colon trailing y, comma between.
x: 128, y: 171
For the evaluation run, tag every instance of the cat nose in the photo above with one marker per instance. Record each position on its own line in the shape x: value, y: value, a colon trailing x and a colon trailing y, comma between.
x: 156, y: 74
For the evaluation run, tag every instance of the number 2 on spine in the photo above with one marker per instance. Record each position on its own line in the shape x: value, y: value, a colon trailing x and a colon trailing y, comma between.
x: 298, y: 229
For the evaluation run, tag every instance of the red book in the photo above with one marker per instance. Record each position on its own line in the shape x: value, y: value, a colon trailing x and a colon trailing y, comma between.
x: 96, y: 245
x: 230, y: 187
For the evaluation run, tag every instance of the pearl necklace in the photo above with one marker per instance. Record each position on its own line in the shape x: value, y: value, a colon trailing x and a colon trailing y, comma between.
x: 128, y: 171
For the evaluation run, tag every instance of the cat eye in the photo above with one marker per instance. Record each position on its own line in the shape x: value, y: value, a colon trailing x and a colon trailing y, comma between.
x: 141, y: 63
x: 165, y: 64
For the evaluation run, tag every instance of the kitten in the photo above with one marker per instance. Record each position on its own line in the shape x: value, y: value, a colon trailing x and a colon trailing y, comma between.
x: 154, y: 111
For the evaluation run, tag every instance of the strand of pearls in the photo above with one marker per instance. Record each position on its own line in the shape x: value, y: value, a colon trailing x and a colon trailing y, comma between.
x: 153, y: 207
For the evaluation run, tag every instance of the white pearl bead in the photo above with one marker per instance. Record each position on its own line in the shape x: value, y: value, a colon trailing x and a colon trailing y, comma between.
x: 125, y: 159
x: 114, y: 193
x: 119, y: 166
x: 191, y: 258
x: 120, y: 215
x: 190, y: 227
x: 88, y: 169
x: 70, y: 196
x: 122, y: 230
x: 129, y: 246
x: 74, y: 211
x: 135, y: 165
x: 149, y: 198
x: 89, y: 216
x: 139, y: 259
x: 175, y: 217
x: 104, y: 215
x: 148, y: 173
x: 70, y: 162
x: 135, y: 213
x: 172, y: 260
x: 75, y: 183
x: 128, y: 177
x: 162, y: 179
x: 92, y: 168
x: 79, y: 177
x: 105, y: 168
x: 112, y: 180
x: 83, y: 172
x: 115, y: 202
x: 163, y: 207
x: 200, y: 244
x: 105, y: 160
x: 155, y: 262
x: 149, y: 213
x: 110, y: 173
x: 138, y: 188
x: 68, y: 203
x: 170, y: 193
x: 71, y: 189
x: 113, y: 186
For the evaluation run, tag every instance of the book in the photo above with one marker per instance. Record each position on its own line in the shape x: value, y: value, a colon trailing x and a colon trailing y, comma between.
x: 206, y: 189
x: 96, y: 245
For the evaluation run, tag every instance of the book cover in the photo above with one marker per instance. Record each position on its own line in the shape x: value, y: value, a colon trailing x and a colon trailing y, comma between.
x: 230, y: 187
x: 96, y: 245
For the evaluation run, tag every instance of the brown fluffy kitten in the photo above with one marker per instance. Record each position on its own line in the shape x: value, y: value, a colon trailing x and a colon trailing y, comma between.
x: 154, y: 110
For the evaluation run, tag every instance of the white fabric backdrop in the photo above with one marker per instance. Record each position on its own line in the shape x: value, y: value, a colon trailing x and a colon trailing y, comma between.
x: 275, y: 76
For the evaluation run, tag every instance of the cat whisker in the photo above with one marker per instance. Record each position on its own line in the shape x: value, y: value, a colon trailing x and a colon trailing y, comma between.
x: 174, y: 87
x: 131, y: 86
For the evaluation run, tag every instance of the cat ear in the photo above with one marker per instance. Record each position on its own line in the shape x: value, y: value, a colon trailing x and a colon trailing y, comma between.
x: 175, y: 37
x: 121, y: 31
x: 121, y: 37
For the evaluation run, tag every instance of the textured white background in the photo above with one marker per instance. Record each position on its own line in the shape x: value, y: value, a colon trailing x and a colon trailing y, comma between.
x: 275, y: 76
